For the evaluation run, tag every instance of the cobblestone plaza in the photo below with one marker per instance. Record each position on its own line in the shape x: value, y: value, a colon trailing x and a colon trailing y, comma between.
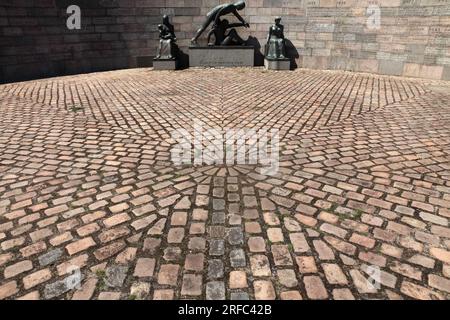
x: 87, y: 183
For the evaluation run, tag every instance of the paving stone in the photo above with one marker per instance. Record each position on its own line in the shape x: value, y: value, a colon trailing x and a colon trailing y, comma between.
x: 215, y: 290
x: 257, y: 244
x: 362, y: 284
x: 192, y: 285
x: 194, y: 262
x: 172, y: 254
x: 17, y: 268
x: 290, y: 295
x: 145, y: 267
x: 168, y: 274
x: 200, y: 214
x: 109, y: 250
x: 50, y: 257
x: 115, y: 276
x: 58, y: 288
x: 324, y: 251
x: 343, y: 294
x: 67, y: 267
x: 151, y: 245
x: 299, y: 242
x: 218, y: 218
x: 419, y: 292
x: 179, y: 219
x: 32, y: 296
x: 264, y: 290
x: 218, y: 204
x: 175, y: 235
x: 55, y: 289
x: 126, y: 256
x: 287, y: 278
x: 439, y: 283
x: 163, y: 294
x: 215, y: 269
x: 237, y: 258
x: 236, y: 296
x: 234, y: 219
x: 216, y: 247
x: 281, y: 255
x: 86, y: 291
x: 139, y: 290
x: 197, y: 244
x: 334, y: 274
x: 275, y: 235
x: 217, y: 232
x: 260, y: 266
x: 109, y: 296
x: 36, y: 278
x: 315, y: 288
x: 8, y: 289
x: 238, y: 280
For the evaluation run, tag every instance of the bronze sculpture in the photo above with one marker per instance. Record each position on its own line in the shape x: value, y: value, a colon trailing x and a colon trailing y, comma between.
x: 167, y: 49
x: 224, y: 38
x: 214, y: 16
x: 276, y: 44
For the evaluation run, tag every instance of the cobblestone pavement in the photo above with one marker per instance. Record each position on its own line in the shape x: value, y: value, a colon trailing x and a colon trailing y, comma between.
x: 87, y: 181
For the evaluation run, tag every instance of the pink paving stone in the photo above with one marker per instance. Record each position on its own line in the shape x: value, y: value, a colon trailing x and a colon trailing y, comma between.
x: 257, y: 244
x: 86, y: 291
x: 315, y: 288
x: 80, y: 245
x: 168, y: 274
x: 264, y: 290
x: 8, y: 289
x: 194, y: 262
x: 163, y: 294
x: 144, y: 267
x: 291, y: 295
x: 238, y: 280
x: 36, y: 278
x: 18, y: 268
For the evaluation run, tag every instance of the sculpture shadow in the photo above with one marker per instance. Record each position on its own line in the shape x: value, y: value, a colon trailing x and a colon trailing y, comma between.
x: 292, y: 53
x: 183, y: 59
x: 259, y: 56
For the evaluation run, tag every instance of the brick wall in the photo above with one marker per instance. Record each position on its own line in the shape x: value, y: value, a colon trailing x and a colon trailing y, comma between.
x: 413, y: 40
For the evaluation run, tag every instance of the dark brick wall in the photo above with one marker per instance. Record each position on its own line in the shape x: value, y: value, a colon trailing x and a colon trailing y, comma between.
x: 414, y: 38
x: 35, y: 41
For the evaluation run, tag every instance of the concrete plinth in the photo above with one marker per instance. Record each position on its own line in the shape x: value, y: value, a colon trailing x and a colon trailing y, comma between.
x: 216, y: 56
x: 165, y: 64
x: 284, y: 64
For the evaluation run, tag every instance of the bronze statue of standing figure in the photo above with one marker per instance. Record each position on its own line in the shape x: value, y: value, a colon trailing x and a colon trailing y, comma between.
x: 276, y: 44
x: 167, y: 49
x: 218, y: 26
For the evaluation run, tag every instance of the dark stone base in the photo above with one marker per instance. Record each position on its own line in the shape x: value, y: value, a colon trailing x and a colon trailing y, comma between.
x: 216, y: 56
x: 165, y: 64
x: 284, y: 64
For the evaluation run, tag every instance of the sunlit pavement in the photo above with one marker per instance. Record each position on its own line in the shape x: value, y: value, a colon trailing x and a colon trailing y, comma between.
x: 362, y: 193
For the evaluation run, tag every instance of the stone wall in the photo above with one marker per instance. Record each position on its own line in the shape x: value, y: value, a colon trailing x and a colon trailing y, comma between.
x: 413, y: 38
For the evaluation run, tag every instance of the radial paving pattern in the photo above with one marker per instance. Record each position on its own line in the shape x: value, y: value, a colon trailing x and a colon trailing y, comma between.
x: 86, y: 180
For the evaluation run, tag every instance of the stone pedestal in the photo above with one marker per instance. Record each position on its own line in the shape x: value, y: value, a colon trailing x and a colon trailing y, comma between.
x: 216, y: 56
x: 279, y: 64
x: 165, y: 64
